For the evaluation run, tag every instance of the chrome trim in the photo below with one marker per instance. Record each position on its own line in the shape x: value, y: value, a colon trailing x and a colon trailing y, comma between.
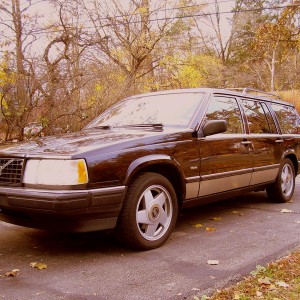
x: 47, y: 156
x: 192, y: 190
x: 222, y: 184
x: 193, y: 179
x: 264, y: 174
x: 268, y: 167
x: 226, y: 174
x: 58, y: 192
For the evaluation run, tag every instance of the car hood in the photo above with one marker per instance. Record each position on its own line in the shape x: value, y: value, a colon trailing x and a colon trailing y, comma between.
x: 87, y: 141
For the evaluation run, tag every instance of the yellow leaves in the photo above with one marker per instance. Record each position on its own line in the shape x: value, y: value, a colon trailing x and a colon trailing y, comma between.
x: 210, y: 229
x: 192, y: 70
x: 4, y: 103
x: 143, y: 10
x: 190, y: 76
x: 6, y: 76
x: 119, y: 55
x: 16, y: 272
x: 273, y: 37
x: 99, y: 87
x: 38, y: 265
x: 237, y: 296
x: 198, y: 226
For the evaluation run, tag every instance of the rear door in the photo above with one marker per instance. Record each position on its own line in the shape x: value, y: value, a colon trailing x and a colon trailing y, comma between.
x: 226, y: 162
x: 265, y: 140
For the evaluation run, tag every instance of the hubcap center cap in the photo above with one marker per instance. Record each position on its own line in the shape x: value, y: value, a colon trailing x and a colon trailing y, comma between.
x: 154, y: 212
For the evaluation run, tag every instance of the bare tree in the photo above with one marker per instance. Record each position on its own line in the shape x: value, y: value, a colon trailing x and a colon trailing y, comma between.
x: 18, y: 31
x: 129, y: 36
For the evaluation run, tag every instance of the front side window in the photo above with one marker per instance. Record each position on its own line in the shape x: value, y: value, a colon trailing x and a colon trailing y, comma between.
x: 256, y: 117
x: 226, y: 108
x: 288, y: 118
x: 166, y: 109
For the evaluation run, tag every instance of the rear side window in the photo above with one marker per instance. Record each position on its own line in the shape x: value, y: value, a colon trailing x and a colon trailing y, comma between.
x: 288, y: 118
x: 226, y: 108
x: 256, y: 117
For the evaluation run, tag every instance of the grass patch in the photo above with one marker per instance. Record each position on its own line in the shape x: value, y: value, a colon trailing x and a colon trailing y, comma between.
x: 291, y: 96
x: 279, y: 280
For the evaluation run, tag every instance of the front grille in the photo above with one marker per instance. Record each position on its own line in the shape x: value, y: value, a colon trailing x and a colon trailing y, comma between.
x: 11, y: 170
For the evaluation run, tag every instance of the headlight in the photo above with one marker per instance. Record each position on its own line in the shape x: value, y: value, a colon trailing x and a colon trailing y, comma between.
x: 55, y: 172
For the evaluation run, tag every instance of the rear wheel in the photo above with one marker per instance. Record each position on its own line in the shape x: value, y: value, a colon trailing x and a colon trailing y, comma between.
x: 282, y: 189
x: 149, y: 212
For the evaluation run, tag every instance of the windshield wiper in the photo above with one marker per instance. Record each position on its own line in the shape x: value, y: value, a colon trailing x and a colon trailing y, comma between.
x: 146, y: 125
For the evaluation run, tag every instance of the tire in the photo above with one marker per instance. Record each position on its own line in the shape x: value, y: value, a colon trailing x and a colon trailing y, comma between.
x: 282, y: 189
x: 149, y: 212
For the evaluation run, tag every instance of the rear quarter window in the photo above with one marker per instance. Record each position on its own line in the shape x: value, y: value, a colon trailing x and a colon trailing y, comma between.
x: 288, y: 118
x: 257, y: 117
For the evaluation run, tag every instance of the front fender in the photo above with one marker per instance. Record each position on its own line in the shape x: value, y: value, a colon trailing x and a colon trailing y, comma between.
x: 151, y: 160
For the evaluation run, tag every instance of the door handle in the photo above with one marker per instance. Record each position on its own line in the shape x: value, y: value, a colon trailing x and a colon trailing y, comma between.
x: 246, y: 143
x: 279, y: 141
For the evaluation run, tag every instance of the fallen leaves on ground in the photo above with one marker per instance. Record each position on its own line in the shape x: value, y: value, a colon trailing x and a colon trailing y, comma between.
x: 287, y: 211
x: 264, y: 280
x: 210, y: 229
x: 12, y: 273
x: 213, y: 262
x: 282, y: 284
x: 198, y: 226
x: 278, y: 280
x: 235, y: 212
x: 216, y: 218
x: 38, y: 265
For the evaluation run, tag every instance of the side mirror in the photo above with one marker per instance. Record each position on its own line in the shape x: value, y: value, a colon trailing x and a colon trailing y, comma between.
x: 214, y: 127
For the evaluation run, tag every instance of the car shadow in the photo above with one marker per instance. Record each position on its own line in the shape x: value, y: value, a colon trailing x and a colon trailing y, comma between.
x: 105, y: 241
x: 40, y: 242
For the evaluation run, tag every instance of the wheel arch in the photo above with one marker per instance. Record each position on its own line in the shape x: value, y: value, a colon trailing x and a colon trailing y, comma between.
x: 163, y: 165
x: 292, y: 156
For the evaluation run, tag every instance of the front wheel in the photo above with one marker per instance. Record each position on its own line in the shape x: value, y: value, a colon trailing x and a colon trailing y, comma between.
x: 282, y: 189
x: 149, y: 212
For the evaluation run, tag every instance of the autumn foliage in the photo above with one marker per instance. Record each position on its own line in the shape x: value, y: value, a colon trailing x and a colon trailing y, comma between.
x: 63, y: 71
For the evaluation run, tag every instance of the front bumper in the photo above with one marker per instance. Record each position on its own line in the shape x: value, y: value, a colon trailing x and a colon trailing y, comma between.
x: 63, y: 210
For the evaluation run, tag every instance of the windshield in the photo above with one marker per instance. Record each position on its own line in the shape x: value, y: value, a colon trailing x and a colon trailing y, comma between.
x: 168, y: 109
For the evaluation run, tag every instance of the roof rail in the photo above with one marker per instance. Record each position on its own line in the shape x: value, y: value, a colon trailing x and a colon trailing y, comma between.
x: 245, y: 91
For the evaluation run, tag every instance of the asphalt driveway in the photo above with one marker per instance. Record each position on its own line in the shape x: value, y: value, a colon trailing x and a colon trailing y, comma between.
x: 239, y: 233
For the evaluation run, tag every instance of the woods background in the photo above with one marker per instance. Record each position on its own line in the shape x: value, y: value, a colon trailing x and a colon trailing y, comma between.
x: 63, y: 62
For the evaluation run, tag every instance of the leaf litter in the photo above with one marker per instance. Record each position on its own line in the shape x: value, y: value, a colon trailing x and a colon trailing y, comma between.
x: 38, y: 265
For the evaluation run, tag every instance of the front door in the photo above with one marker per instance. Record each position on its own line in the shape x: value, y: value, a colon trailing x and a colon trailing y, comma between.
x: 226, y: 158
